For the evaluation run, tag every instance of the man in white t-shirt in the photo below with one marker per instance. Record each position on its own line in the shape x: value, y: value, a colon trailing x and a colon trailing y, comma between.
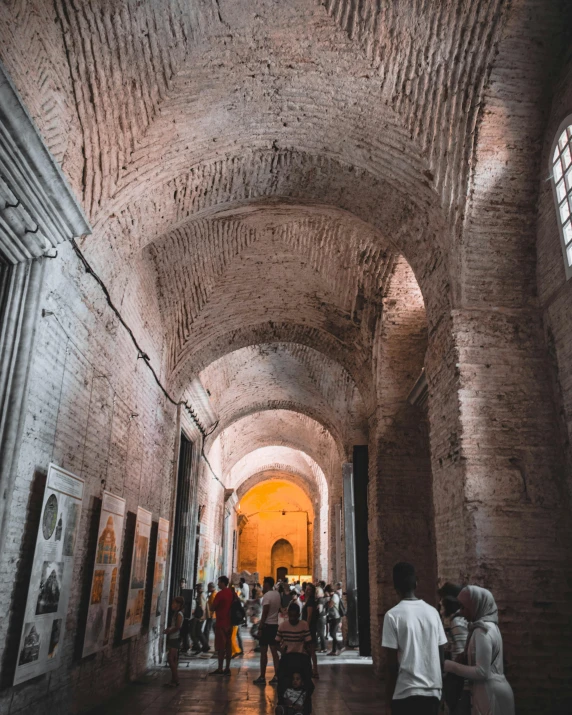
x: 414, y: 640
x: 244, y: 590
x: 268, y: 630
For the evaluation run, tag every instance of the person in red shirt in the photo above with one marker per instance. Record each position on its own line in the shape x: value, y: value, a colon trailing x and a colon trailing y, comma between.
x: 223, y: 628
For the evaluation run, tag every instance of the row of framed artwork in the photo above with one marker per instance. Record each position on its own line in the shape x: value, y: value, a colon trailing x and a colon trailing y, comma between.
x: 52, y: 572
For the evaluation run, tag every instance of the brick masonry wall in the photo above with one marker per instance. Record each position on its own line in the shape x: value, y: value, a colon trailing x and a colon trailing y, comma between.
x: 273, y: 214
x: 95, y: 410
x: 554, y: 291
x: 400, y: 497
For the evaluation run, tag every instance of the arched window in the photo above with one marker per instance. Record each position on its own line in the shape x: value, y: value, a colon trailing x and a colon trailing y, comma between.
x: 561, y: 164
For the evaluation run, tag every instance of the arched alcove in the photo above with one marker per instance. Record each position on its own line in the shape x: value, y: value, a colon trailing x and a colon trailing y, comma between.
x: 282, y: 558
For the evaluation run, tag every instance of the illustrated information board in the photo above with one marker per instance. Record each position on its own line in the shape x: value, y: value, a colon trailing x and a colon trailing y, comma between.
x: 51, y: 576
x: 137, y: 578
x: 104, y: 583
x: 158, y: 602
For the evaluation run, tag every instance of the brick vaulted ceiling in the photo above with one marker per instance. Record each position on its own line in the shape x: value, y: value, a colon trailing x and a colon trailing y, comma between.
x: 254, y: 168
x: 394, y: 84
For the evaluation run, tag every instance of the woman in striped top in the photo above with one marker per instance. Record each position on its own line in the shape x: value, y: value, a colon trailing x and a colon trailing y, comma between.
x: 294, y: 635
x: 294, y: 640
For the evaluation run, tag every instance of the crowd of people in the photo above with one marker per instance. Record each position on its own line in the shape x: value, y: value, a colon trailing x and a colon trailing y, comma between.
x: 291, y: 620
x: 448, y: 659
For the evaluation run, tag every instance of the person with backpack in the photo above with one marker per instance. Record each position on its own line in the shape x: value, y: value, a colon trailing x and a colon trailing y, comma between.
x: 221, y: 606
x: 333, y: 616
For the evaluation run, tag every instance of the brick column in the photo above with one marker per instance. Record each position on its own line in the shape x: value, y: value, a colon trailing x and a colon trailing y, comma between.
x: 502, y: 514
x: 400, y: 494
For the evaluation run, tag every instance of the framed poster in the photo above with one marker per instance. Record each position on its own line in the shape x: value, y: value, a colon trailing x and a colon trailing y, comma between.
x: 209, y: 568
x: 51, y: 576
x: 158, y: 602
x: 138, y: 575
x: 104, y: 583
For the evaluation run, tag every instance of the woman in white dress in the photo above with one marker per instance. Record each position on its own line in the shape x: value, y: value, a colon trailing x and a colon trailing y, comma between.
x: 491, y: 693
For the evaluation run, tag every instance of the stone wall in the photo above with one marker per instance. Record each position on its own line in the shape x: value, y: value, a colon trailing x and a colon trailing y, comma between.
x: 94, y: 409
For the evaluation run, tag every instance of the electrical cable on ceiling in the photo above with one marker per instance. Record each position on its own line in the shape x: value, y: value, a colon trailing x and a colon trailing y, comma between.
x: 140, y: 352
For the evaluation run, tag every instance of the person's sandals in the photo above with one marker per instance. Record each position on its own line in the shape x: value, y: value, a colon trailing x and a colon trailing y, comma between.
x: 332, y: 653
x: 274, y: 681
x: 218, y: 671
x: 226, y: 671
x: 259, y: 681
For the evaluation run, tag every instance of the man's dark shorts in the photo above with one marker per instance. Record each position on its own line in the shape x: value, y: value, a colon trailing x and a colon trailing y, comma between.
x: 415, y: 705
x: 268, y: 634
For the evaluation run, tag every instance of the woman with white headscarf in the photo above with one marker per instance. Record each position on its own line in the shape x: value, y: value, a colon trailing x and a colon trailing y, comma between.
x: 491, y: 693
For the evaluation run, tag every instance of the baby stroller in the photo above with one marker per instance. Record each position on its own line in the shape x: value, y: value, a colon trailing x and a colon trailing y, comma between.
x: 291, y: 663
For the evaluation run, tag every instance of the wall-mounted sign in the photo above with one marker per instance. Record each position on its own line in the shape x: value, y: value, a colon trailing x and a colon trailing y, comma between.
x: 50, y: 581
x: 138, y: 576
x: 159, y: 596
x: 104, y: 583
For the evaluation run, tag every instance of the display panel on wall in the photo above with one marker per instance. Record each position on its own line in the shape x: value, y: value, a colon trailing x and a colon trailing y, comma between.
x: 104, y: 584
x: 51, y: 576
x: 158, y: 602
x: 138, y: 575
x: 209, y: 566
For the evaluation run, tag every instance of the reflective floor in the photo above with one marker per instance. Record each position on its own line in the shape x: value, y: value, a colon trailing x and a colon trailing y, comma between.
x: 347, y: 686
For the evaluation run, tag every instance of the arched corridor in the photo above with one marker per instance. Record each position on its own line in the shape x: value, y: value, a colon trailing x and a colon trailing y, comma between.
x: 284, y: 291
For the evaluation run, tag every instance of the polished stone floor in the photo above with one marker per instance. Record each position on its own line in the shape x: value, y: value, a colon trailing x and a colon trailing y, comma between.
x: 347, y: 686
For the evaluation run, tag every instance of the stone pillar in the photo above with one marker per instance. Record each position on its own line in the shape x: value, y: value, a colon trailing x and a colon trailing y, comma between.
x: 20, y: 290
x: 349, y: 536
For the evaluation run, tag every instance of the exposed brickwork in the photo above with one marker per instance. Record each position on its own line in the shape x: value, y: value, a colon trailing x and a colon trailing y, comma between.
x: 304, y: 203
x: 400, y: 470
x: 95, y: 410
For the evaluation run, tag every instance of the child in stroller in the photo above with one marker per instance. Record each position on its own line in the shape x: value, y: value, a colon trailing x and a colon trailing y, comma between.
x: 295, y: 686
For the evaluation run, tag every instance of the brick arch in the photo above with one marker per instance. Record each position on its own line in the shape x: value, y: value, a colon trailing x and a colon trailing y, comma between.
x: 306, y: 439
x: 279, y: 473
x: 287, y: 376
x: 311, y: 480
x: 356, y: 362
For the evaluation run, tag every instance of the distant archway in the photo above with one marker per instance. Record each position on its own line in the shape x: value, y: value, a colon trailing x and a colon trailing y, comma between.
x: 272, y: 512
x: 282, y: 557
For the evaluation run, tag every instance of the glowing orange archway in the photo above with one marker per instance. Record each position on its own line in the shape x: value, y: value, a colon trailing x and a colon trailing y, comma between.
x: 275, y: 513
